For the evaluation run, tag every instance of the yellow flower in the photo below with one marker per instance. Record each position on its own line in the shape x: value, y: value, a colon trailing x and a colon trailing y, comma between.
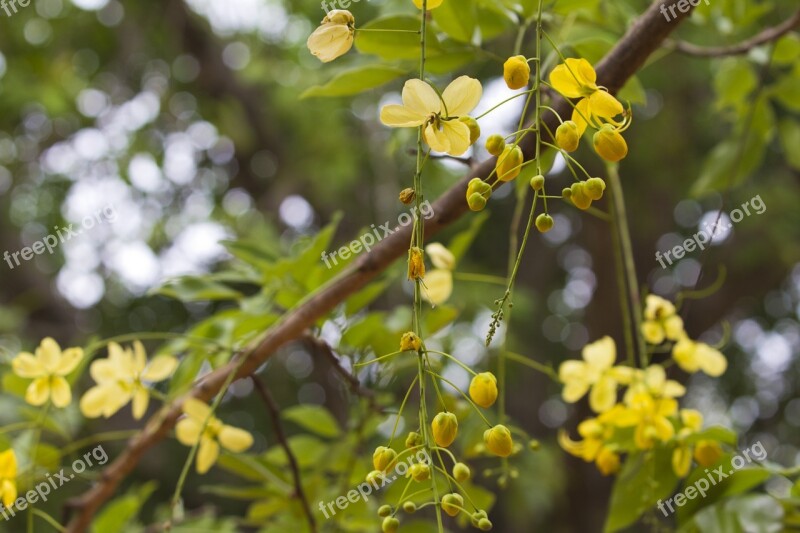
x: 416, y: 264
x: 422, y: 106
x: 575, y: 78
x: 440, y: 256
x: 682, y: 460
x: 661, y: 320
x: 47, y: 368
x: 189, y: 431
x: 121, y: 378
x: 609, y: 144
x: 498, y: 440
x: 334, y: 37
x: 383, y: 458
x: 445, y: 429
x: 432, y: 4
x: 439, y: 281
x: 516, y: 72
x: 595, y: 372
x: 8, y: 477
x: 410, y: 342
x: 653, y: 381
x: 649, y: 416
x: 483, y: 389
x: 596, y: 432
x: 692, y: 356
x: 691, y: 422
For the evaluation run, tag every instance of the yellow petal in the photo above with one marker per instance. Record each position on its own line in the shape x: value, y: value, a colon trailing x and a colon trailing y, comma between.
x: 95, y: 401
x: 458, y: 136
x: 9, y: 490
x: 235, y: 439
x: 438, y: 286
x: 196, y: 409
x: 711, y: 361
x: 421, y: 98
x: 655, y: 377
x: 70, y: 358
x: 38, y: 391
x: 600, y: 354
x: 664, y: 428
x: 462, y: 96
x: 573, y: 375
x: 399, y: 116
x: 673, y: 389
x: 330, y: 41
x: 581, y: 115
x: 207, y: 454
x: 187, y: 431
x: 49, y: 353
x: 139, y: 357
x: 437, y: 139
x: 60, y: 392
x: 8, y: 464
x: 603, y: 395
x: 440, y: 256
x: 604, y: 105
x: 432, y: 4
x: 140, y: 400
x: 681, y: 460
x: 160, y: 368
x: 574, y: 78
x: 673, y: 326
x: 684, y: 353
x: 692, y: 419
x: 25, y: 365
x: 104, y: 371
x: 653, y: 332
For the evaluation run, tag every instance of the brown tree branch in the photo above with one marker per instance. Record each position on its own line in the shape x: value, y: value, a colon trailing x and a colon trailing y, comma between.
x: 275, y: 414
x: 645, y: 36
x: 766, y: 36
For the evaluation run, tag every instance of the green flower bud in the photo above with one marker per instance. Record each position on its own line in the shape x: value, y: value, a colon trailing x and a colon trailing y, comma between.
x: 495, y: 145
x: 537, y: 182
x: 534, y: 445
x: 566, y: 192
x: 484, y: 524
x: 410, y: 507
x: 509, y: 163
x: 384, y: 510
x: 474, y: 128
x: 476, y: 202
x: 451, y: 503
x: 579, y: 196
x: 383, y: 458
x: 544, y: 223
x: 567, y: 137
x: 594, y: 188
x: 461, y: 472
x: 413, y: 439
x: 476, y: 517
x: 390, y: 524
x: 419, y: 472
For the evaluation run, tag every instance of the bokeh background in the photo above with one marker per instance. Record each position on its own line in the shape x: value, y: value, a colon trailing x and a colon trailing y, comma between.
x: 185, y: 116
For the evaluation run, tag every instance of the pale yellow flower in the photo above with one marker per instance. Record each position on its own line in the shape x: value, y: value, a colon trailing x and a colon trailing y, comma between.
x: 576, y: 78
x: 334, y: 37
x: 440, y: 256
x: 596, y: 432
x: 432, y: 4
x: 8, y: 477
x: 595, y: 372
x: 422, y: 106
x: 121, y: 378
x: 438, y: 284
x: 48, y: 368
x: 189, y: 431
x: 691, y: 422
x: 661, y: 321
x: 694, y: 356
x: 653, y: 380
x: 650, y: 417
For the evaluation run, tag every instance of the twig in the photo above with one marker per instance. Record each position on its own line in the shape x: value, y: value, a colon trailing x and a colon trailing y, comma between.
x: 770, y: 34
x: 644, y: 37
x: 275, y: 414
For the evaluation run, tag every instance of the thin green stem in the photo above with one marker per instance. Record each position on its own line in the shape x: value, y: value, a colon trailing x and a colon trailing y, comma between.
x: 466, y: 397
x: 544, y: 369
x: 452, y: 358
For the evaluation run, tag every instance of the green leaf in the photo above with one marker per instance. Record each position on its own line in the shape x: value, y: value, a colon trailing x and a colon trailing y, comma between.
x: 716, y: 433
x: 307, y: 450
x: 789, y: 135
x: 633, y: 92
x: 314, y: 418
x: 734, y: 81
x: 459, y: 245
x: 355, y: 81
x: 787, y: 92
x: 196, y: 289
x: 365, y: 296
x: 393, y: 44
x: 787, y: 50
x: 753, y: 513
x: 646, y: 478
x: 457, y: 19
x: 117, y: 515
x: 439, y: 317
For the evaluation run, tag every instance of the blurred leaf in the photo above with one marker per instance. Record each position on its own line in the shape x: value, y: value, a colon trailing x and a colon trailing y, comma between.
x: 439, y: 317
x: 787, y: 50
x: 716, y: 433
x: 196, y: 289
x: 734, y: 81
x: 787, y: 91
x: 394, y: 45
x: 633, y: 92
x: 118, y: 514
x: 307, y: 450
x: 355, y: 81
x: 315, y: 419
x: 789, y: 135
x: 459, y: 244
x: 365, y: 296
x: 457, y: 19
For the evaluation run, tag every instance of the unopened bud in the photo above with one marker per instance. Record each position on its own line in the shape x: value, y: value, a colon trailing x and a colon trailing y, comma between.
x: 495, y: 144
x: 516, y: 72
x: 594, y: 188
x: 407, y: 195
x: 474, y: 128
x: 410, y: 507
x: 461, y: 472
x: 537, y: 182
x: 390, y: 524
x: 567, y: 137
x: 544, y: 223
x: 384, y: 510
x: 410, y: 342
x: 416, y: 264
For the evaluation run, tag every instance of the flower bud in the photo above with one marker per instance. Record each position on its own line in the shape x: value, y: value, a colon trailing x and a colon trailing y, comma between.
x: 566, y: 192
x: 451, y: 503
x: 544, y: 223
x: 534, y: 445
x: 476, y: 202
x: 483, y: 389
x: 516, y: 72
x: 416, y: 264
x: 537, y: 182
x: 383, y: 458
x: 407, y: 196
x: 509, y: 163
x: 579, y: 196
x: 390, y: 524
x: 495, y: 144
x: 410, y: 341
x: 461, y: 472
x: 476, y: 517
x: 484, y: 524
x: 474, y: 128
x: 334, y: 37
x: 410, y: 507
x: 413, y: 439
x: 373, y: 476
x: 419, y: 472
x: 707, y: 452
x: 498, y: 440
x: 384, y: 510
x: 445, y: 428
x: 609, y: 144
x: 594, y: 188
x: 567, y: 136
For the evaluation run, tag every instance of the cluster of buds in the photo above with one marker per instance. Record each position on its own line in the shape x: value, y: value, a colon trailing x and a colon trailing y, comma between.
x: 478, y: 193
x: 583, y: 193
